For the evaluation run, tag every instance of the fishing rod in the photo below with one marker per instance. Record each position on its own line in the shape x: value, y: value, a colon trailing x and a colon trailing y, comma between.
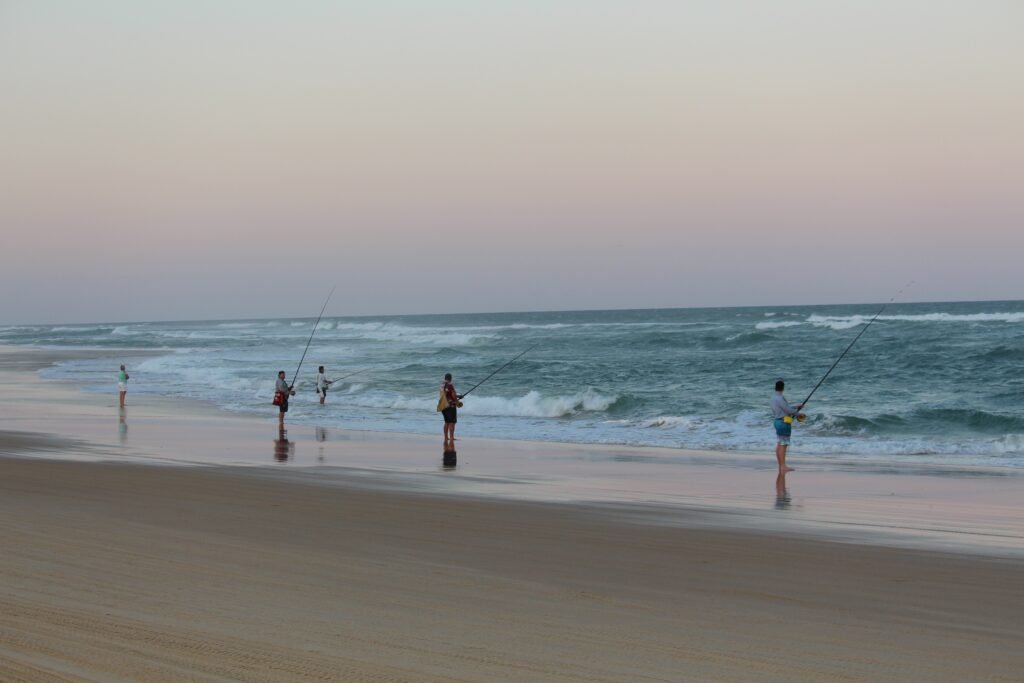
x: 351, y: 374
x: 311, y: 336
x: 465, y: 394
x: 859, y: 334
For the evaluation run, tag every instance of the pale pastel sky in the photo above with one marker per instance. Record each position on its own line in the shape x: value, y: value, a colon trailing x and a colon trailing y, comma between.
x: 237, y: 159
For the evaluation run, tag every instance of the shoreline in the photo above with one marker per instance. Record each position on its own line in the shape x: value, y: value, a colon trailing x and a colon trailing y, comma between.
x: 361, y: 557
x: 39, y: 358
x: 651, y: 485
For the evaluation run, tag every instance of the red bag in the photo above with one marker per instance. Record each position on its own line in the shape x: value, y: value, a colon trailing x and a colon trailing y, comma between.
x: 278, y: 398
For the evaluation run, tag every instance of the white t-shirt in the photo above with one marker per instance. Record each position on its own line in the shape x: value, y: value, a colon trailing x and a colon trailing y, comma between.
x: 321, y: 381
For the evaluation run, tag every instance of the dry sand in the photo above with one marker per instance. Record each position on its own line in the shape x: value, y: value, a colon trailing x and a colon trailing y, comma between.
x: 124, y: 572
x: 120, y: 572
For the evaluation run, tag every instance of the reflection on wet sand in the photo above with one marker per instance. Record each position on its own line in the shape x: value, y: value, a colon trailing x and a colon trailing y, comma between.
x: 122, y: 424
x: 283, y: 448
x: 449, y: 458
x: 321, y: 437
x: 782, y: 497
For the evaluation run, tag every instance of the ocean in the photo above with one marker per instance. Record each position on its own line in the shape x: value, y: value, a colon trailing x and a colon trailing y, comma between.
x: 927, y: 384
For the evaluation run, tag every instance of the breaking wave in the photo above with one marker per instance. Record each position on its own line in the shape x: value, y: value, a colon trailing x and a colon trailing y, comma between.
x: 845, y: 322
x: 777, y: 324
x: 533, y: 404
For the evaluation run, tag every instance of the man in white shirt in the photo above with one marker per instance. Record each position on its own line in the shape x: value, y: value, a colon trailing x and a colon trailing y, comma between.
x: 321, y: 385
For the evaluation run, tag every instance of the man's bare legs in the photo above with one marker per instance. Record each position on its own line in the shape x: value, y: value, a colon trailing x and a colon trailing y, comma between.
x: 780, y: 455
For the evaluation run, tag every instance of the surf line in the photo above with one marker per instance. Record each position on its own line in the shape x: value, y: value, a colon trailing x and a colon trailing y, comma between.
x: 466, y: 393
x: 315, y: 325
x: 843, y: 354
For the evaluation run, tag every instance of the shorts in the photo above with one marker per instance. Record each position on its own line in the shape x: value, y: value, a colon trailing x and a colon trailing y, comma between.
x: 284, y: 406
x: 451, y: 415
x: 321, y: 391
x: 122, y: 386
x: 783, y: 430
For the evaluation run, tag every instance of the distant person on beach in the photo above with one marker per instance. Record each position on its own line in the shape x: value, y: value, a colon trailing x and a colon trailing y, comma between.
x: 321, y: 385
x: 447, y: 405
x: 783, y: 414
x: 285, y: 391
x: 122, y: 384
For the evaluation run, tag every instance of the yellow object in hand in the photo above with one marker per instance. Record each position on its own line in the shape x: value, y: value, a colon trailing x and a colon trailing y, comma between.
x: 788, y: 419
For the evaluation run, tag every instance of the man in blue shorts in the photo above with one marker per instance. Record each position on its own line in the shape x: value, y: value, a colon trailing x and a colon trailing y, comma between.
x: 783, y: 414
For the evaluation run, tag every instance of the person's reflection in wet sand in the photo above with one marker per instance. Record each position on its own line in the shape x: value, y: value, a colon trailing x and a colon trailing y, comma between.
x: 122, y: 424
x: 782, y: 497
x: 321, y: 437
x: 449, y: 459
x: 283, y: 448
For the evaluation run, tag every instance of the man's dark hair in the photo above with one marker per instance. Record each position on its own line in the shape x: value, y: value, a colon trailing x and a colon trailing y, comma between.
x: 321, y: 368
x: 780, y: 385
x: 447, y: 377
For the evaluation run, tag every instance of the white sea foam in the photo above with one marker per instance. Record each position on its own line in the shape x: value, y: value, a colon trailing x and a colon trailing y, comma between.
x: 667, y: 422
x: 954, y: 317
x: 94, y: 328
x: 426, y: 336
x: 777, y: 324
x: 1010, y: 443
x: 238, y: 326
x: 533, y: 404
x: 837, y: 322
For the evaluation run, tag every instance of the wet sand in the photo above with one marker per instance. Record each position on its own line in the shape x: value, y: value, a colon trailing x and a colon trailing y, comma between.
x: 124, y: 572
x: 117, y: 571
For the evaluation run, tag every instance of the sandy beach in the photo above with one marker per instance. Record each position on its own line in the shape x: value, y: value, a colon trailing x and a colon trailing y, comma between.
x: 618, y: 244
x: 343, y: 561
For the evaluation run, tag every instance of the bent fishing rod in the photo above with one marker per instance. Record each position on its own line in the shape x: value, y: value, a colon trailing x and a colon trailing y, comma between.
x: 465, y: 394
x: 295, y: 376
x: 847, y: 350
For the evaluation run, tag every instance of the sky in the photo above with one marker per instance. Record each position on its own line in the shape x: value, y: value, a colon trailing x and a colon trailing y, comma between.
x: 194, y: 160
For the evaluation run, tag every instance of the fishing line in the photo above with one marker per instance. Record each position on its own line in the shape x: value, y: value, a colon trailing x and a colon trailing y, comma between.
x: 859, y: 334
x: 311, y: 337
x: 351, y: 374
x: 465, y: 394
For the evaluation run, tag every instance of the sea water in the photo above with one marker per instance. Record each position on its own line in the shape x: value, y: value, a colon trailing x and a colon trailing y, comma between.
x: 928, y: 383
